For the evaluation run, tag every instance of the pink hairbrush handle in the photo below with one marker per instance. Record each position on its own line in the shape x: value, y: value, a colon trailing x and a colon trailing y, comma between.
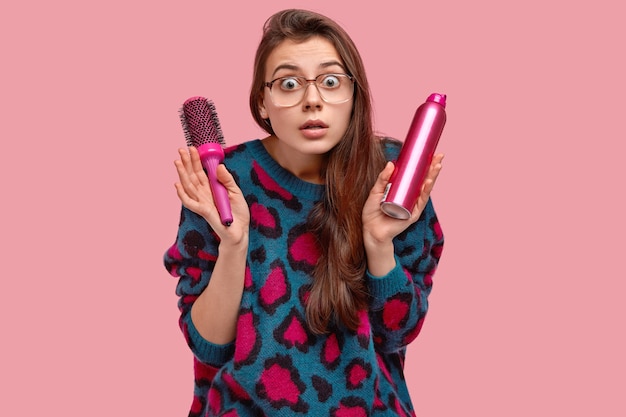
x: 211, y: 155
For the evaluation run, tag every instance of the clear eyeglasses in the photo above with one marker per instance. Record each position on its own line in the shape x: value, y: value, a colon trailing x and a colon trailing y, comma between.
x: 289, y: 91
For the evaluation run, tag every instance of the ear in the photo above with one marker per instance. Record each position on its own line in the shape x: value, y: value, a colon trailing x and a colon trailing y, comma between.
x: 262, y: 109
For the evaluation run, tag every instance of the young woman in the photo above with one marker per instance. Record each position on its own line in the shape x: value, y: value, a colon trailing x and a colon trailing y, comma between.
x: 306, y: 303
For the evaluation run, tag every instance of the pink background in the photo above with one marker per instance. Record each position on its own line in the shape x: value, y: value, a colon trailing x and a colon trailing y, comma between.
x: 527, y: 315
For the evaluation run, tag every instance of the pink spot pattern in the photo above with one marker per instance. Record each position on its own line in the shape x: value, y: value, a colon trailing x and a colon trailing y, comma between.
x: 276, y: 289
x: 281, y: 386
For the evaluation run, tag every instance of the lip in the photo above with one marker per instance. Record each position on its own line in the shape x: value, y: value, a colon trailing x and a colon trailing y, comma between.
x: 313, y: 129
x: 313, y: 124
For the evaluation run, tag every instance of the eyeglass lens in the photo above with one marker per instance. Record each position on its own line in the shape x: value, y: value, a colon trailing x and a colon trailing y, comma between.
x: 333, y: 88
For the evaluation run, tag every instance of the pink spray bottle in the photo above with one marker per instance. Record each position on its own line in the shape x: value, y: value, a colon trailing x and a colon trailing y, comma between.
x: 405, y: 184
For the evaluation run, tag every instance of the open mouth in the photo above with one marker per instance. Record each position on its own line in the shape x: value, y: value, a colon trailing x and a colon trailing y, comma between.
x: 313, y: 125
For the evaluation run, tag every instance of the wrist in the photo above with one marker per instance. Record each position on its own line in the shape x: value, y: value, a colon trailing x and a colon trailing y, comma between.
x: 380, y: 257
x: 234, y: 245
x: 375, y: 244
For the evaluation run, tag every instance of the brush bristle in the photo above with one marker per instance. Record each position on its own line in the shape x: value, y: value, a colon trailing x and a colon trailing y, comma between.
x: 200, y: 122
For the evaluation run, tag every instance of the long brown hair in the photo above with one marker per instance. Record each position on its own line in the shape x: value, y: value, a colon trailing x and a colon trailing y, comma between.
x: 338, y: 291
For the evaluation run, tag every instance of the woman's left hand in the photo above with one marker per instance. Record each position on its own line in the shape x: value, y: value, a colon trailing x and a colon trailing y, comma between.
x: 379, y: 228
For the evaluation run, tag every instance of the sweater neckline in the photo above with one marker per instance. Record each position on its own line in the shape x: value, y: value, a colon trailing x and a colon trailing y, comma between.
x: 283, y: 177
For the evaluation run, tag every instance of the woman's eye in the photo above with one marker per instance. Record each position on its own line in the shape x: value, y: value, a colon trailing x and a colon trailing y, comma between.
x: 330, y: 81
x: 289, y: 84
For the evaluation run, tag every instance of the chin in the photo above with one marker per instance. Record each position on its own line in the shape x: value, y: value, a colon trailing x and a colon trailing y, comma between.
x: 319, y: 147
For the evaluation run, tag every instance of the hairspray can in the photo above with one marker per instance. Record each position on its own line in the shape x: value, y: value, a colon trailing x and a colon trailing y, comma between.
x: 405, y: 184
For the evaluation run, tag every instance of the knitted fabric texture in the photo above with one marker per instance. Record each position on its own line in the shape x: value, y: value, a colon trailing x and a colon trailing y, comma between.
x: 275, y: 366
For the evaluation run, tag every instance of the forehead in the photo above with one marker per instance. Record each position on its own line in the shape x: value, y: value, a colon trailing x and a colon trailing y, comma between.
x: 307, y: 57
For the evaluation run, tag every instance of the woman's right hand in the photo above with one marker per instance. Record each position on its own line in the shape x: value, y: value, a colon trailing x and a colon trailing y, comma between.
x: 214, y: 313
x: 194, y: 192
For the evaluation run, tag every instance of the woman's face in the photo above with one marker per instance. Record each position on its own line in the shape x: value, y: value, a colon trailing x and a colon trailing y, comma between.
x: 312, y: 127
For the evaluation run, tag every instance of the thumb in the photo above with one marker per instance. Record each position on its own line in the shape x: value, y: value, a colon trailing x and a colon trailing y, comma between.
x: 225, y: 177
x: 383, y: 178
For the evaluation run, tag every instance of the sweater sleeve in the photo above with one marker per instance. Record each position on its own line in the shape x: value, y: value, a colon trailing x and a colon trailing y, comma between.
x: 192, y: 258
x: 399, y: 300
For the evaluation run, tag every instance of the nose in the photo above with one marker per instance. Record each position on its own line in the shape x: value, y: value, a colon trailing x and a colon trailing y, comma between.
x: 312, y: 97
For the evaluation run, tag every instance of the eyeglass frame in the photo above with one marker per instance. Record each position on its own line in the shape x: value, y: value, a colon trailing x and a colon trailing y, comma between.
x: 309, y: 82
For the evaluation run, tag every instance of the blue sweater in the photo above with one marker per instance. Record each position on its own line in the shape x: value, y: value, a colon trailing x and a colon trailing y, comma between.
x: 275, y: 366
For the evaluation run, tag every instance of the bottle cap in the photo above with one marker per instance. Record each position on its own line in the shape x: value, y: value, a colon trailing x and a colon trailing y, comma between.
x: 437, y: 98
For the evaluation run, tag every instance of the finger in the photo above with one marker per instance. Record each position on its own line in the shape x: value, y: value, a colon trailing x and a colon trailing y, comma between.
x: 184, y: 155
x: 182, y: 195
x: 181, y: 169
x: 427, y: 186
x: 185, y: 160
x: 433, y: 173
x: 187, y: 200
x: 437, y: 159
x: 435, y: 169
x: 198, y: 176
x: 196, y: 163
x: 185, y: 184
x: 191, y: 181
x: 193, y: 166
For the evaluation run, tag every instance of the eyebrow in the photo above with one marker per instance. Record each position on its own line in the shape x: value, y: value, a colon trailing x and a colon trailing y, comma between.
x: 294, y: 67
